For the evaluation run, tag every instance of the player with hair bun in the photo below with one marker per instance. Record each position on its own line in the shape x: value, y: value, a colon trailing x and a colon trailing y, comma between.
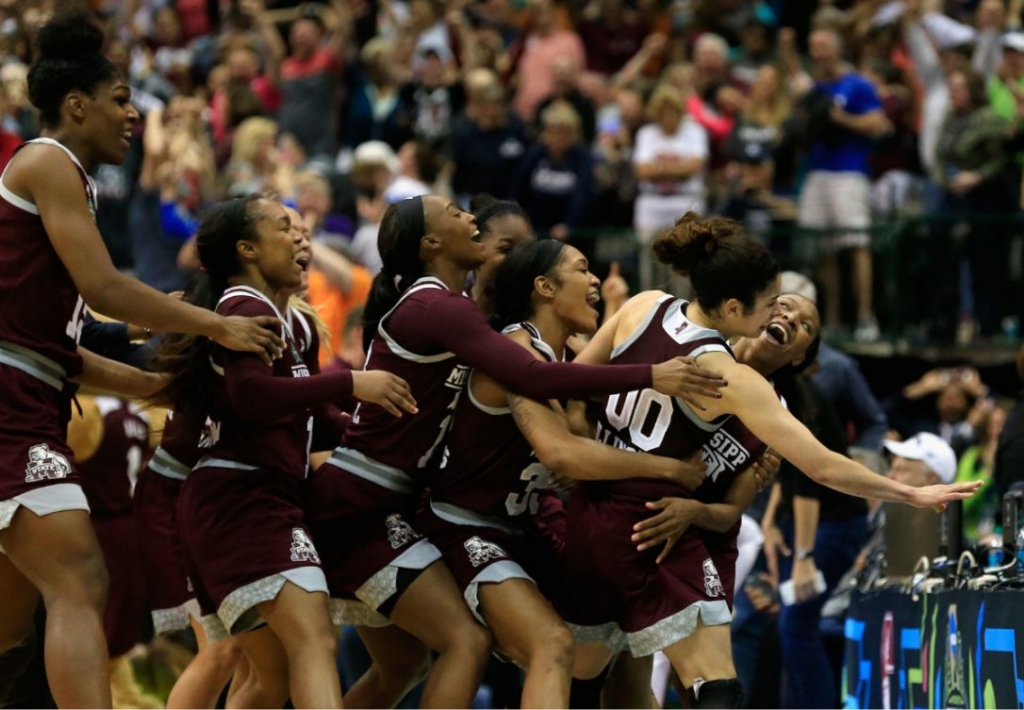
x: 678, y: 604
x: 52, y: 261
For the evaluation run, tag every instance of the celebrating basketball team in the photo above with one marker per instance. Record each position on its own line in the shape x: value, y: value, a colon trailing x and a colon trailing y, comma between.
x: 484, y: 494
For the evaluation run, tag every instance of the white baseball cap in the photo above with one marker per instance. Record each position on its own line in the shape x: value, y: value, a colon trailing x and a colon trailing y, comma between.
x: 935, y: 452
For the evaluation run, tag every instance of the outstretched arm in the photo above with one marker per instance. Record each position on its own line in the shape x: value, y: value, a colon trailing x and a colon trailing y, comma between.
x: 751, y: 398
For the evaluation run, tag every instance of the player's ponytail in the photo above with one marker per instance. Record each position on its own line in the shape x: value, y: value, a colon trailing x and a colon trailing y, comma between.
x: 514, y: 283
x: 186, y: 358
x: 401, y: 229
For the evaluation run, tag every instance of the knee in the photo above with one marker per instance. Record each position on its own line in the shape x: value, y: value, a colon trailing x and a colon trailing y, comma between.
x: 473, y: 639
x: 224, y: 654
x: 557, y: 644
x: 405, y: 668
x: 84, y: 583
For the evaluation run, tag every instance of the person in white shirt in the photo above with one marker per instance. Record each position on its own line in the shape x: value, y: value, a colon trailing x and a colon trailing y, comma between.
x: 669, y: 160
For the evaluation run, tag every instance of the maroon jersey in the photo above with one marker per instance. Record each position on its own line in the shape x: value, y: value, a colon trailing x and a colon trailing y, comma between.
x: 41, y: 311
x: 109, y: 476
x: 489, y: 468
x: 645, y: 420
x: 431, y: 338
x: 262, y: 421
x: 436, y: 379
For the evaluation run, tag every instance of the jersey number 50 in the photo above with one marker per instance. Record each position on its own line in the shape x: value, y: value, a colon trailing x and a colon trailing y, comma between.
x: 634, y: 410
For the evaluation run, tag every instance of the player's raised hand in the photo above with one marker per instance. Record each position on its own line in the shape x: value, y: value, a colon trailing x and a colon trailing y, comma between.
x: 939, y: 496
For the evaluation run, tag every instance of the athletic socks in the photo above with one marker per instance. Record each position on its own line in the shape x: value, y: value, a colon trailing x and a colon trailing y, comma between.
x: 716, y: 693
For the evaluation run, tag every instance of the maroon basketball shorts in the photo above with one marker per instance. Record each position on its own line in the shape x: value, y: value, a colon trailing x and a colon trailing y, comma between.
x: 613, y: 587
x: 37, y: 468
x: 363, y: 529
x: 125, y: 615
x: 481, y: 551
x: 244, y: 533
x: 171, y: 600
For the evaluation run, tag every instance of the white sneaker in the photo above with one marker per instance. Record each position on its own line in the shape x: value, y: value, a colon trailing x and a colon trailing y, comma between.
x: 867, y: 331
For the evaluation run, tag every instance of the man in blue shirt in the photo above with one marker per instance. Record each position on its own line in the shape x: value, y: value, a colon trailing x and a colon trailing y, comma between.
x: 845, y: 117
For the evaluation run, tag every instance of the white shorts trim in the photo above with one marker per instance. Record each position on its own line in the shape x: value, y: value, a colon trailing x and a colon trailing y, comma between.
x: 44, y: 501
x: 176, y: 618
x: 238, y: 614
x: 678, y: 626
x: 383, y: 585
x: 609, y: 635
x: 352, y: 612
x: 496, y: 573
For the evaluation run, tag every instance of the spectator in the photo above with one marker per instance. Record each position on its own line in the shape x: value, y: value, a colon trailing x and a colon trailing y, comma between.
x: 932, y: 69
x: 939, y: 403
x: 542, y: 45
x: 845, y: 115
x: 751, y: 201
x: 253, y: 157
x: 669, y: 161
x: 976, y: 463
x: 418, y: 169
x: 309, y: 78
x: 336, y: 286
x: 612, y: 32
x: 488, y: 144
x: 432, y: 100
x: 808, y: 527
x: 373, y: 109
x: 614, y: 176
x: 566, y: 75
x: 554, y: 181
x: 757, y: 45
x: 970, y: 166
x: 766, y: 121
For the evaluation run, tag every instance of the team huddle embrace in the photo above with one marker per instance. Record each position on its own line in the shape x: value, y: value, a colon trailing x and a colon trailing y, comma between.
x: 519, y: 474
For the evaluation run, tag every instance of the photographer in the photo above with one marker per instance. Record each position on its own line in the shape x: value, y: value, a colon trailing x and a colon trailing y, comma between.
x: 843, y: 116
x: 942, y: 402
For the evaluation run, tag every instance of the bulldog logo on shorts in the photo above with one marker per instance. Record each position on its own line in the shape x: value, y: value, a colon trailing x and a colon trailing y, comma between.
x: 481, y: 551
x: 45, y: 464
x: 712, y: 584
x: 302, y: 547
x: 399, y: 531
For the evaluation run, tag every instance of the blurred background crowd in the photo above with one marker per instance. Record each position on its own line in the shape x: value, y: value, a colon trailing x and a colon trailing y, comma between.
x: 876, y: 145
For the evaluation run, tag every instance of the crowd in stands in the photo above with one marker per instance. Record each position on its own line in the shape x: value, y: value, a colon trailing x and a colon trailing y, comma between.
x: 825, y: 117
x: 786, y: 115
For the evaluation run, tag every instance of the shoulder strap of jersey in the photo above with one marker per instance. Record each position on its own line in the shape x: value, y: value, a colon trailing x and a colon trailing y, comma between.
x: 423, y: 284
x: 90, y: 185
x: 657, y: 310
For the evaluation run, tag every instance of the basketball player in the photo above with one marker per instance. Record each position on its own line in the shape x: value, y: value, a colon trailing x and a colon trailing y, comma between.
x: 52, y: 260
x: 110, y: 442
x: 501, y: 454
x: 246, y: 492
x: 422, y: 326
x: 679, y: 606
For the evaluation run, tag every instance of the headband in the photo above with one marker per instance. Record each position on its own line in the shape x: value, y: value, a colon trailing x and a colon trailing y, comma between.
x: 412, y: 221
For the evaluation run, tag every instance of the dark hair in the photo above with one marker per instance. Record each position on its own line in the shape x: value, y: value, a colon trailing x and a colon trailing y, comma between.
x: 398, y: 241
x: 721, y: 262
x: 186, y: 358
x: 513, y: 285
x: 487, y: 208
x: 70, y: 58
x: 429, y: 162
x: 977, y: 87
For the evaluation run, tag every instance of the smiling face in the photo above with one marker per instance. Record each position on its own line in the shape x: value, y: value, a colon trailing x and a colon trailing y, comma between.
x: 109, y: 120
x: 501, y: 235
x: 281, y: 253
x: 788, y: 335
x: 305, y: 246
x: 452, y: 233
x: 572, y: 291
